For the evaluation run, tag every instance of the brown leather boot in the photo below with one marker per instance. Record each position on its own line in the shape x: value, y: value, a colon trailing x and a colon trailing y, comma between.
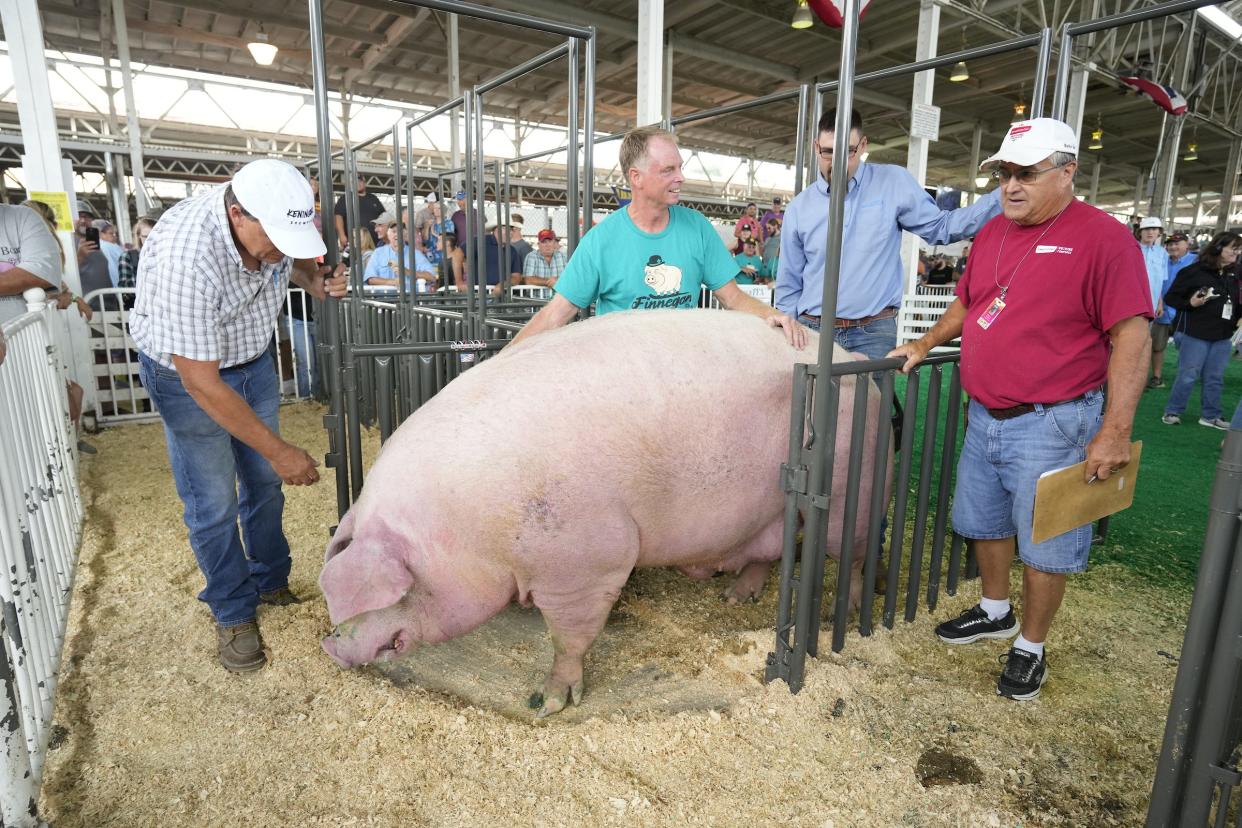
x: 241, y: 647
x: 282, y: 597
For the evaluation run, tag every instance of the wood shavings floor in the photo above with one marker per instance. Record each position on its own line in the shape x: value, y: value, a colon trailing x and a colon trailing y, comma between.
x: 150, y: 731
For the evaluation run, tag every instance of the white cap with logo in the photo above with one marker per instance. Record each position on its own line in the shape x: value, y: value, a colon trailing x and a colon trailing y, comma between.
x: 280, y: 197
x: 1150, y: 222
x: 1029, y: 142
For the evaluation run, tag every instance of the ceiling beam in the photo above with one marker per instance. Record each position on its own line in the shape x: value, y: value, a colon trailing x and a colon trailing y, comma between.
x: 400, y: 29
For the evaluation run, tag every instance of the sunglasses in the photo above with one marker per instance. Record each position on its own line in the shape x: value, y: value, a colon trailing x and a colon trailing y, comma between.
x: 1026, y: 175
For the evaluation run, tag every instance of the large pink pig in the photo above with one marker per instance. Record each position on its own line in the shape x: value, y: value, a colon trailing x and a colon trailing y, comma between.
x: 549, y: 472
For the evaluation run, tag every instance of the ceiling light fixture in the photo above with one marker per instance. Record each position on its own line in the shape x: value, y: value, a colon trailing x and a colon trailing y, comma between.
x: 1192, y: 152
x: 1019, y: 109
x: 802, y: 17
x: 960, y: 72
x: 1097, y: 136
x: 262, y: 51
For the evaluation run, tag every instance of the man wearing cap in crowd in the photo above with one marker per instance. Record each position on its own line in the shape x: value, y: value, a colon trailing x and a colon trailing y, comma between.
x: 777, y: 213
x: 544, y: 265
x: 382, y: 268
x: 518, y: 239
x: 1053, y: 304
x: 653, y: 253
x: 493, y: 250
x: 370, y: 208
x: 1156, y: 259
x: 211, y: 280
x: 881, y: 200
x: 459, y: 223
x: 1177, y: 248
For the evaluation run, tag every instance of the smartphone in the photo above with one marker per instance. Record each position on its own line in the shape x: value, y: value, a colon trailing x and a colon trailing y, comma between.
x: 92, y: 235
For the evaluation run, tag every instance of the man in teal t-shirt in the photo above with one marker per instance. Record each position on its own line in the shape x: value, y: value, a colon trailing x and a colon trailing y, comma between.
x: 619, y: 267
x: 653, y: 253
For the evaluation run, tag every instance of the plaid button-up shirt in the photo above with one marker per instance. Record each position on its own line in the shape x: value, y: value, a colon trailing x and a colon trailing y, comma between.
x: 536, y: 266
x: 195, y: 297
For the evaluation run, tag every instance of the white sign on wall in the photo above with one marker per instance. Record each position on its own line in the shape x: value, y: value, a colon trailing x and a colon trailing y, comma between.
x: 925, y: 122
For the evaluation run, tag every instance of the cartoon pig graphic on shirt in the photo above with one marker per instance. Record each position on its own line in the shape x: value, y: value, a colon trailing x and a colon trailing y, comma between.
x: 661, y: 276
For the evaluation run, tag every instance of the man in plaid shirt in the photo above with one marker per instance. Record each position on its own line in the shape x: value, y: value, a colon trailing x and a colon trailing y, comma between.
x: 211, y: 281
x: 543, y: 265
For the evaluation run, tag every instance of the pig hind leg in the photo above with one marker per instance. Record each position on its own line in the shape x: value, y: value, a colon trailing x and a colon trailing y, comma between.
x: 759, y: 552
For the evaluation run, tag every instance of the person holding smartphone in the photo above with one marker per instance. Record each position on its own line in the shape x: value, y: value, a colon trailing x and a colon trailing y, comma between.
x: 1205, y: 294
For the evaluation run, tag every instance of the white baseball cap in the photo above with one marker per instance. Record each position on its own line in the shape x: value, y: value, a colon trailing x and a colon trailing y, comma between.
x: 1029, y: 142
x: 280, y: 197
x: 1150, y: 222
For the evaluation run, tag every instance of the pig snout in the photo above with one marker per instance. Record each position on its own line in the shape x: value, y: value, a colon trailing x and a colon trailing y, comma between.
x: 350, y: 647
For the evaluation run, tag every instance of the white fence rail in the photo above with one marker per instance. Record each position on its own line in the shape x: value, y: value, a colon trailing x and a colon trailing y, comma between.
x: 40, y: 526
x: 119, y: 395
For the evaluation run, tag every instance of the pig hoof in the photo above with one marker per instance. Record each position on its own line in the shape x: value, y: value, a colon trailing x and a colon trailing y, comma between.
x: 740, y: 594
x: 551, y: 701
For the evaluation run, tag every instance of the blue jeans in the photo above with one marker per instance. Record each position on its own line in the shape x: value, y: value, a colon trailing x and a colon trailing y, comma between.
x: 873, y: 341
x: 302, y: 341
x: 1000, y: 464
x: 220, y: 479
x: 1199, y: 358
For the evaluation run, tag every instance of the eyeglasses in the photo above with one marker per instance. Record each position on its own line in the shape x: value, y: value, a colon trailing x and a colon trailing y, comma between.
x: 826, y: 154
x: 1026, y: 175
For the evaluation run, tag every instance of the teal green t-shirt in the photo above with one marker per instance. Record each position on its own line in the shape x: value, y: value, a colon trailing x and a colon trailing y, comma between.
x: 743, y: 278
x: 619, y: 267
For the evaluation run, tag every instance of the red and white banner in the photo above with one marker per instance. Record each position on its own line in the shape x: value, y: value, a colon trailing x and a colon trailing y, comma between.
x: 832, y: 12
x: 1165, y: 97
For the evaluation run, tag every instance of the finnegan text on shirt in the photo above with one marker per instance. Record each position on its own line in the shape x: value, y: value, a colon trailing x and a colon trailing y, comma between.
x: 677, y: 300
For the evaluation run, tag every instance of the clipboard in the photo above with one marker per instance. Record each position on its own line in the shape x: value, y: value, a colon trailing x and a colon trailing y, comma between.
x: 1065, y: 501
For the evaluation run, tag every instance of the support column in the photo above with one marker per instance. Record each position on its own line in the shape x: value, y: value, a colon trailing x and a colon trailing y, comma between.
x: 976, y: 150
x: 1094, y: 195
x: 131, y: 110
x: 650, y: 98
x: 1140, y: 187
x: 1166, y: 168
x: 668, y: 75
x: 916, y: 160
x: 114, y: 161
x: 42, y: 166
x: 1194, y: 221
x: 454, y: 82
x: 1229, y: 187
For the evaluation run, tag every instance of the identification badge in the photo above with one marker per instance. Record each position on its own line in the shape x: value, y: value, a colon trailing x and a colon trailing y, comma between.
x: 989, y: 316
x: 1226, y: 311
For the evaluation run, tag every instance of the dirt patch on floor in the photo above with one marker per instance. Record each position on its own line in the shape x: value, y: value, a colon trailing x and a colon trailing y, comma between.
x: 150, y: 731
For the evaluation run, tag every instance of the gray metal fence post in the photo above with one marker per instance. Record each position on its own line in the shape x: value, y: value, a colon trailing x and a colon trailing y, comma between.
x: 1220, y: 541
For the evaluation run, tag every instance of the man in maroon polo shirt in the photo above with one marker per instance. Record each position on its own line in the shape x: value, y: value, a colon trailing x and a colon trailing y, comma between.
x: 1054, y: 303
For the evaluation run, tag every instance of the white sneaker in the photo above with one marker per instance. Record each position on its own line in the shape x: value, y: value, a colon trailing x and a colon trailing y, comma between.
x: 1171, y: 419
x: 1223, y: 425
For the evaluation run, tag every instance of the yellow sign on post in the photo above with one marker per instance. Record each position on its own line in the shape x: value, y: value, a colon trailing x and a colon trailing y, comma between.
x: 59, y: 202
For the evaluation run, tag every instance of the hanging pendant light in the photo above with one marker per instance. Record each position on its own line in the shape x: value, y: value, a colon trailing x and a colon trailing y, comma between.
x: 1192, y: 149
x: 262, y: 51
x: 802, y: 18
x: 960, y: 72
x: 1097, y: 136
x: 1019, y: 109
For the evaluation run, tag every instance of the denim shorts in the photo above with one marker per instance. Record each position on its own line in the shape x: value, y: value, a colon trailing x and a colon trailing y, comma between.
x: 1000, y: 464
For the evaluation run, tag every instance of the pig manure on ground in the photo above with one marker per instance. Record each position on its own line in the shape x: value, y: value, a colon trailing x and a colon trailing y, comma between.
x: 838, y: 707
x: 939, y: 767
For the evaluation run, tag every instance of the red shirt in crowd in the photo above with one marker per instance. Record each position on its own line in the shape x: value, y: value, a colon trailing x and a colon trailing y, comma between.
x: 1050, y: 340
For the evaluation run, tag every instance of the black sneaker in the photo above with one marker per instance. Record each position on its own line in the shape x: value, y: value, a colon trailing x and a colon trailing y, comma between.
x: 1023, y: 675
x: 974, y: 624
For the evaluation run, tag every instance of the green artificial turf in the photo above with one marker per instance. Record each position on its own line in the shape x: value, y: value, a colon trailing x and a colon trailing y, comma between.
x: 1161, y: 536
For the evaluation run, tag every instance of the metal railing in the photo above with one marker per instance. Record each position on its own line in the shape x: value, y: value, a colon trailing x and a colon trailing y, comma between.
x: 1198, y: 774
x: 120, y: 397
x: 40, y: 525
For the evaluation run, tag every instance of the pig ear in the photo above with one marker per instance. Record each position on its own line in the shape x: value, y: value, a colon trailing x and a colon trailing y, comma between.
x: 341, y: 537
x: 362, y: 577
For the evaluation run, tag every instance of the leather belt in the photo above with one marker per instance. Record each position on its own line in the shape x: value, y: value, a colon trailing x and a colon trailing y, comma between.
x: 887, y: 313
x: 1027, y: 408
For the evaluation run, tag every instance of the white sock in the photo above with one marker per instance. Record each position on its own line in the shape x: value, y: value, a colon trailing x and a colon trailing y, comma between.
x: 1029, y: 646
x: 994, y: 608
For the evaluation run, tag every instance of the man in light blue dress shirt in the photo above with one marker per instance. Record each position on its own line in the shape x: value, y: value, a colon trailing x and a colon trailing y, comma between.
x: 882, y: 200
